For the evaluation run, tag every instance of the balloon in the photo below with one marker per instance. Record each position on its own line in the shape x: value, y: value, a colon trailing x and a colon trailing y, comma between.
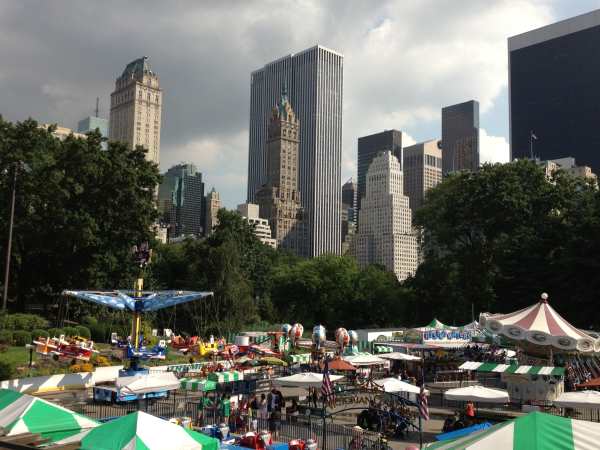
x: 318, y: 335
x: 297, y: 331
x: 286, y: 328
x: 342, y: 337
x: 353, y: 336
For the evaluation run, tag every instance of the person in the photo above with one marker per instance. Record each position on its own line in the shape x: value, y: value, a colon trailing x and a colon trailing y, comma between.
x: 314, y: 396
x: 292, y: 411
x: 275, y: 400
x: 275, y: 424
x: 225, y: 411
x: 470, y: 410
x: 263, y: 407
x: 449, y: 424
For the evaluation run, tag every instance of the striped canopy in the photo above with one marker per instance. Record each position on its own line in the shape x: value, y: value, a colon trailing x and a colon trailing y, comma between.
x: 226, y: 377
x: 141, y: 431
x: 512, y: 368
x: 541, y: 325
x: 22, y: 413
x: 194, y: 384
x: 534, y: 431
x: 301, y: 358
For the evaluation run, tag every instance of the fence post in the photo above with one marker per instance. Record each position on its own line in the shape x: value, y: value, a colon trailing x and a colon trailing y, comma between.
x: 323, y: 411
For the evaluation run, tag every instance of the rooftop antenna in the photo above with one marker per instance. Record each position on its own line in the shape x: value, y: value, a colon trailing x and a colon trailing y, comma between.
x: 97, y: 106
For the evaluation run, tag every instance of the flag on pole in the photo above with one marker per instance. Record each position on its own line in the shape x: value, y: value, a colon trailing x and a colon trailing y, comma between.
x: 423, y: 405
x: 327, y: 390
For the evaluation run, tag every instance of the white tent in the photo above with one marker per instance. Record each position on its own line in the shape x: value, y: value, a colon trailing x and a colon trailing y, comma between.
x: 307, y: 379
x: 365, y: 360
x: 477, y: 394
x: 398, y: 356
x: 396, y: 385
x: 141, y: 384
x: 581, y: 399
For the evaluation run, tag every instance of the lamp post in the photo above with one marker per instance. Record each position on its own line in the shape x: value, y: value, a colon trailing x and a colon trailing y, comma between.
x: 10, y: 233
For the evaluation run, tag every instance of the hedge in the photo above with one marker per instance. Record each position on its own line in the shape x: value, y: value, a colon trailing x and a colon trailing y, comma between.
x: 70, y: 331
x: 83, y: 331
x: 22, y: 322
x: 6, y: 337
x: 7, y: 370
x: 39, y: 333
x: 55, y: 332
x: 21, y: 338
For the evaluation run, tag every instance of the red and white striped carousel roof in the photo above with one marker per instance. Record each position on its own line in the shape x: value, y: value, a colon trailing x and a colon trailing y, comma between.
x: 540, y: 324
x: 540, y: 317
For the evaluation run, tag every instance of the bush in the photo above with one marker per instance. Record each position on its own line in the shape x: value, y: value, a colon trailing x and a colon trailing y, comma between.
x: 83, y: 331
x: 101, y: 361
x: 39, y: 333
x: 6, y: 337
x: 22, y: 322
x: 70, y: 331
x: 55, y: 332
x: 21, y: 338
x: 7, y: 371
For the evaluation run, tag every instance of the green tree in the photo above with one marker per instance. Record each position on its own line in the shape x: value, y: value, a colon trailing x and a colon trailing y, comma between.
x: 79, y: 211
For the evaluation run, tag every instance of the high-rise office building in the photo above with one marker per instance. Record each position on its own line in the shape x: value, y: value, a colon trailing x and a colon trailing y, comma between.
x: 212, y: 206
x: 348, y: 213
x: 368, y: 148
x: 460, y: 137
x: 135, y: 108
x: 181, y: 201
x: 314, y: 79
x: 279, y: 199
x: 91, y: 123
x: 62, y: 133
x: 422, y: 170
x: 262, y: 230
x: 553, y: 91
x: 385, y: 234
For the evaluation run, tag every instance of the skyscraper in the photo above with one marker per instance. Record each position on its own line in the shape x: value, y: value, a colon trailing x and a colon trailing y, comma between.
x: 135, y: 108
x: 91, y: 123
x: 251, y: 213
x: 314, y: 78
x: 553, y: 91
x: 181, y: 200
x: 212, y: 206
x: 385, y: 233
x: 422, y: 170
x: 348, y: 213
x: 460, y: 137
x: 279, y: 199
x: 368, y: 148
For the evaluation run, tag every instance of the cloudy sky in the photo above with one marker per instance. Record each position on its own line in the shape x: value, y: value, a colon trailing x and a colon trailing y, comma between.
x: 404, y: 60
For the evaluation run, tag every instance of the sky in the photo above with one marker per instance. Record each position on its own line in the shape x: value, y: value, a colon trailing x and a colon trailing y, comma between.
x: 403, y: 61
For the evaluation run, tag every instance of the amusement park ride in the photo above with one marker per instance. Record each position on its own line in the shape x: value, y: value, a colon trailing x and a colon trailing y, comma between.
x: 138, y: 302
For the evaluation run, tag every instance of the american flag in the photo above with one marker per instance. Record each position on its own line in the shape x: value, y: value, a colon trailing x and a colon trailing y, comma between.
x: 327, y: 391
x: 423, y: 405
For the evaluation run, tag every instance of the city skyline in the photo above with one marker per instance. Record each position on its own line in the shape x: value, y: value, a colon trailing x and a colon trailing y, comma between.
x: 206, y: 77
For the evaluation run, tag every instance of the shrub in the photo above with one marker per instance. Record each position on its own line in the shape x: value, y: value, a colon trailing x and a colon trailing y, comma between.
x: 55, y: 332
x: 83, y: 332
x: 6, y: 370
x: 101, y: 361
x: 86, y: 367
x: 6, y: 337
x: 70, y: 331
x: 39, y: 333
x: 74, y: 368
x: 21, y: 338
x: 22, y: 322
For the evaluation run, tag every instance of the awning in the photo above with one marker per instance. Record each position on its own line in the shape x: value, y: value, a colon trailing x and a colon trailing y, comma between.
x: 142, y: 384
x: 512, y: 368
x: 307, y: 379
x: 225, y: 377
x: 477, y: 394
x: 383, y: 349
x: 581, y: 399
x: 398, y: 356
x: 194, y: 384
x: 302, y: 358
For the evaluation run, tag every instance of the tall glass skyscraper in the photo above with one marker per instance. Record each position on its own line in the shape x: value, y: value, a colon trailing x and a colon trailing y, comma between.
x: 460, y: 137
x: 314, y: 81
x: 554, y: 75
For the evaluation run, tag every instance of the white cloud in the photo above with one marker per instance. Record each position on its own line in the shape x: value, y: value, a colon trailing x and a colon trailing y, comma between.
x: 493, y: 149
x: 404, y: 60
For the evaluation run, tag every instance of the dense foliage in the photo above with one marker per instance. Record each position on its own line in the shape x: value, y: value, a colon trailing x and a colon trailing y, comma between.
x: 495, y: 239
x: 79, y: 210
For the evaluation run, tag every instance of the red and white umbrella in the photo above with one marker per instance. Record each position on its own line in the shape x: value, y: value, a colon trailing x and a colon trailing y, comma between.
x: 540, y: 324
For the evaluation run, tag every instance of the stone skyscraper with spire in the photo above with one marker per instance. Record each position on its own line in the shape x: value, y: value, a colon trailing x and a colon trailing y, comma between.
x: 279, y: 199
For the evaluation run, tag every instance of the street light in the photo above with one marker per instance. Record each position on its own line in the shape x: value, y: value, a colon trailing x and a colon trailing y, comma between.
x: 16, y: 168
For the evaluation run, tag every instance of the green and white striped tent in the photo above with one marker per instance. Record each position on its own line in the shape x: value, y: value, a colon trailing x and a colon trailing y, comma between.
x: 382, y: 349
x: 226, y: 377
x: 141, y: 431
x: 512, y: 368
x: 22, y: 413
x: 301, y: 358
x: 534, y: 431
x: 195, y: 384
x: 194, y: 367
